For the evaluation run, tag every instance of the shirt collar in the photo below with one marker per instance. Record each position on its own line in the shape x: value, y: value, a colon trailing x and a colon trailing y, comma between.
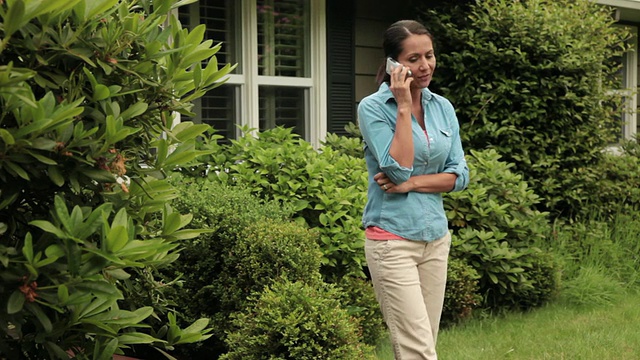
x: 386, y: 94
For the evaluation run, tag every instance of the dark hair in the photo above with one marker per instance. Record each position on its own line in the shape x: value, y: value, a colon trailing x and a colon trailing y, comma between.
x: 392, y: 42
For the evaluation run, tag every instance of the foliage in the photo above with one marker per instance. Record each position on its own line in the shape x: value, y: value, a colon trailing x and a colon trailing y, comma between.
x: 600, y: 255
x: 591, y: 286
x: 293, y: 320
x: 532, y: 80
x: 495, y: 227
x: 326, y: 188
x: 359, y: 298
x: 86, y: 90
x: 349, y: 145
x: 631, y: 146
x: 611, y: 187
x: 251, y: 244
x: 462, y: 292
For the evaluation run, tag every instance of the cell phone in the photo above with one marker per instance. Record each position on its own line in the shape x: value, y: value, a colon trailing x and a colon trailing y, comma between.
x: 392, y: 64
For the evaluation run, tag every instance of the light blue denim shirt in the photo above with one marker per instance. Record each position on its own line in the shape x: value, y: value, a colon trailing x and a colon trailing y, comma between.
x: 412, y: 215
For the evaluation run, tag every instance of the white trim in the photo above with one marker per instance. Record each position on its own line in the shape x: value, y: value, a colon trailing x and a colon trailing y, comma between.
x: 237, y: 79
x: 284, y: 81
x: 625, y: 4
x: 250, y: 61
x: 631, y: 82
x: 318, y: 94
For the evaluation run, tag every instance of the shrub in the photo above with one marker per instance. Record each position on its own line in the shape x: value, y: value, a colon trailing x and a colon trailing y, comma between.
x: 87, y: 88
x: 544, y: 274
x: 495, y: 229
x: 632, y: 146
x: 327, y: 189
x: 358, y: 297
x: 348, y: 145
x: 531, y: 80
x: 613, y: 187
x: 461, y: 295
x: 294, y: 320
x: 250, y: 244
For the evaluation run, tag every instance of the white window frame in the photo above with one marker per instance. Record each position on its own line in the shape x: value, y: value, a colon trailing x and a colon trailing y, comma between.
x: 629, y: 92
x: 248, y: 81
x: 629, y: 116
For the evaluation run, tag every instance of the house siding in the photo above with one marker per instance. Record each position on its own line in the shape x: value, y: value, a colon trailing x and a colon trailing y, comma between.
x: 371, y: 20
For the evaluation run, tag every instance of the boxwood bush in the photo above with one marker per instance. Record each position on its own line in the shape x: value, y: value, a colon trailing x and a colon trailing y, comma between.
x: 250, y: 243
x: 358, y: 297
x: 293, y: 320
x: 462, y: 292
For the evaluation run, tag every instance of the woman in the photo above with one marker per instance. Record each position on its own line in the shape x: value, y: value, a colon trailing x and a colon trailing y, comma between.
x: 413, y: 154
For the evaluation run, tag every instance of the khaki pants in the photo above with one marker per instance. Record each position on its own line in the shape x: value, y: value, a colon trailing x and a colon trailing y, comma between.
x: 409, y: 279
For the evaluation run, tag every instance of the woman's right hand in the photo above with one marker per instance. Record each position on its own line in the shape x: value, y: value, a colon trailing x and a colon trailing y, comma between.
x: 400, y: 86
x: 389, y: 187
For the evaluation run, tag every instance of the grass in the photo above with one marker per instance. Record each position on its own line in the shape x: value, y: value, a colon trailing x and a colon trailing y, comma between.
x: 556, y: 331
x: 552, y: 332
x: 596, y: 315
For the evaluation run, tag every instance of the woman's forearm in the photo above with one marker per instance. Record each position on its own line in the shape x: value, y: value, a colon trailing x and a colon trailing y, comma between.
x: 432, y: 183
x: 402, y: 144
x: 428, y: 183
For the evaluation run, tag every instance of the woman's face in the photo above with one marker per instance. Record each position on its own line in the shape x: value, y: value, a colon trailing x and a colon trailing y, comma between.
x: 419, y: 57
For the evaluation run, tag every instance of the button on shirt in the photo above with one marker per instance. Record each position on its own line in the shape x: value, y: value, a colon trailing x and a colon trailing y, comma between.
x: 413, y: 215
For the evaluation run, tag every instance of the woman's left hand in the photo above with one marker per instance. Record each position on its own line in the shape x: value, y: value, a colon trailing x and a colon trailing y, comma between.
x: 389, y: 187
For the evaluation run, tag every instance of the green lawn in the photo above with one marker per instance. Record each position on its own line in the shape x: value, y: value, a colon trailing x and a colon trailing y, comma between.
x: 553, y: 332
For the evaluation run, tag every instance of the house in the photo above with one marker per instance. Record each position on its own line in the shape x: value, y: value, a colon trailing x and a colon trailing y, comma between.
x: 627, y: 13
x: 306, y: 63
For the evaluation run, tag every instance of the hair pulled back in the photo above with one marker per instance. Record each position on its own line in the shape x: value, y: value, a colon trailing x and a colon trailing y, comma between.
x: 393, y: 39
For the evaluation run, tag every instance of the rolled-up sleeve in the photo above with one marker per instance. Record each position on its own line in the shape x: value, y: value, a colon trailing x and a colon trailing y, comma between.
x: 378, y: 133
x: 456, y: 163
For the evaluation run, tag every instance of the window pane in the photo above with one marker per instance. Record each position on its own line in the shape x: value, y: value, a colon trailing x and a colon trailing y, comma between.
x: 282, y: 106
x: 283, y: 31
x: 619, y: 78
x: 218, y: 109
x: 221, y: 17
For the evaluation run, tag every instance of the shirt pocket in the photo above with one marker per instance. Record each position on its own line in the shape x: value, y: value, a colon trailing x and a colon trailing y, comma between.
x: 441, y: 147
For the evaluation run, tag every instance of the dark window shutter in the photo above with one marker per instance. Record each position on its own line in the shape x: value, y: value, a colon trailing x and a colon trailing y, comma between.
x: 340, y: 65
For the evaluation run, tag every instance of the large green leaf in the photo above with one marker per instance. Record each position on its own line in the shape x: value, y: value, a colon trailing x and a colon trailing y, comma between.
x: 41, y: 316
x: 97, y: 306
x: 124, y: 317
x: 49, y: 227
x: 16, y: 302
x: 87, y: 9
x: 187, y: 131
x: 16, y: 14
x: 102, y: 288
x: 117, y: 238
x: 39, y: 7
x: 110, y: 348
x: 7, y: 137
x: 137, y: 338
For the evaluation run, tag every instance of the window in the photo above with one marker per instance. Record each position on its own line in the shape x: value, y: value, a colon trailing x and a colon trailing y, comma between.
x: 282, y: 31
x: 627, y: 86
x: 279, y: 81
